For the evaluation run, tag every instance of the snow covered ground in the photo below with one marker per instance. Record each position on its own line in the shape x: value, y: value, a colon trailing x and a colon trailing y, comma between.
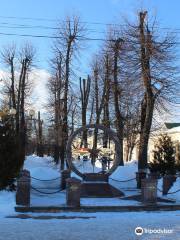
x: 41, y: 170
x: 174, y: 188
x: 45, y: 169
x: 83, y: 225
x: 99, y: 226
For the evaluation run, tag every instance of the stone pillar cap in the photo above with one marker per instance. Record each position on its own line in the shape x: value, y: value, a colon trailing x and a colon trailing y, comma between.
x: 25, y: 173
x: 73, y: 179
x: 149, y: 180
x: 66, y: 171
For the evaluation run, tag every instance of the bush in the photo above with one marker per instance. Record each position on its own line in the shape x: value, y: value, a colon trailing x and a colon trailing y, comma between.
x: 164, y: 157
x: 11, y: 159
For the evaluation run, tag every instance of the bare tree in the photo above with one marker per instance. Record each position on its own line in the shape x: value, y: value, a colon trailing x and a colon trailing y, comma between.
x: 19, y: 85
x: 116, y: 48
x: 98, y: 94
x: 70, y: 34
x: 152, y: 58
x: 26, y: 60
x: 84, y: 90
x: 8, y: 56
x: 106, y: 75
x: 56, y: 102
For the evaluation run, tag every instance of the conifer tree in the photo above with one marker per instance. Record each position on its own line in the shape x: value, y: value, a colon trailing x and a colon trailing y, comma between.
x: 164, y: 157
x: 11, y: 160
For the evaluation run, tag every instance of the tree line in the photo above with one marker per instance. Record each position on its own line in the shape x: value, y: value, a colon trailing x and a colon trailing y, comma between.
x: 133, y: 74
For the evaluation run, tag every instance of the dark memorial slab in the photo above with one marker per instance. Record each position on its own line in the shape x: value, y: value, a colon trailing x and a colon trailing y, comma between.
x: 95, y: 177
x: 99, y: 189
x: 96, y: 185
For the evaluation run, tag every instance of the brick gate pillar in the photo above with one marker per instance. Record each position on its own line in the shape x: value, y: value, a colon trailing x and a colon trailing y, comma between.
x: 23, y: 188
x: 73, y: 192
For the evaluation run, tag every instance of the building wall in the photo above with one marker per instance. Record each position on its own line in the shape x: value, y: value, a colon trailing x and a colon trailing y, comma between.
x: 175, y: 137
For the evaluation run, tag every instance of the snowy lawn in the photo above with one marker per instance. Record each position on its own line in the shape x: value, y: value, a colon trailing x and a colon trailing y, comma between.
x: 176, y: 186
x: 45, y: 168
x: 99, y: 226
x: 41, y: 167
x: 7, y: 203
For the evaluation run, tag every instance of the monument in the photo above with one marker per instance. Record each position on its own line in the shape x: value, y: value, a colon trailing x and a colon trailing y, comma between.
x: 95, y: 184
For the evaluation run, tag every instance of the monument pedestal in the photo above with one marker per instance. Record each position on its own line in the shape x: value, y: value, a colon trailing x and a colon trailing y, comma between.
x: 96, y: 185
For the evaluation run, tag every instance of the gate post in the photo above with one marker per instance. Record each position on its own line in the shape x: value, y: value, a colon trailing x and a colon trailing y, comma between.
x: 168, y: 181
x: 149, y: 190
x: 73, y: 192
x: 65, y: 174
x: 23, y: 188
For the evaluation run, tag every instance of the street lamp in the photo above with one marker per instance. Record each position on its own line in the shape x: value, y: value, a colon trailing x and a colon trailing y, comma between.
x: 8, y: 112
x: 31, y: 113
x: 12, y: 111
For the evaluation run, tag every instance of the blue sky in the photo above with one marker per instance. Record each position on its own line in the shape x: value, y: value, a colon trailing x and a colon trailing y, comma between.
x: 14, y: 12
x: 102, y: 11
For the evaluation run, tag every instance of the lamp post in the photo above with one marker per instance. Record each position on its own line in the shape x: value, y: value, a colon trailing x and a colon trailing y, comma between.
x: 30, y: 121
x: 8, y: 112
x: 38, y: 129
x: 30, y: 118
x: 12, y: 112
x: 31, y: 113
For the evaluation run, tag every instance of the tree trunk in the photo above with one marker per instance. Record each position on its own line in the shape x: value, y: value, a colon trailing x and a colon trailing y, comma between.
x: 22, y: 130
x: 65, y: 109
x: 85, y: 90
x: 106, y: 119
x: 12, y: 85
x: 147, y: 106
x: 96, y: 107
x: 119, y: 119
